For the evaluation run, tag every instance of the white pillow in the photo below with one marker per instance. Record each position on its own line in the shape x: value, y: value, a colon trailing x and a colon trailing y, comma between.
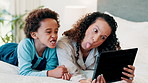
x: 131, y: 34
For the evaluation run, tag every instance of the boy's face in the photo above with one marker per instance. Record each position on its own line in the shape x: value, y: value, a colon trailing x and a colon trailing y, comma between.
x: 47, y: 33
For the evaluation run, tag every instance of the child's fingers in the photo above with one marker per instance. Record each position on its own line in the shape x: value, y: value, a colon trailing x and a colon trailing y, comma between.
x: 66, y: 76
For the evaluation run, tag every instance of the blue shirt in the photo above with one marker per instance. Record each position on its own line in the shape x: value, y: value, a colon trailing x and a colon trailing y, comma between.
x: 30, y: 63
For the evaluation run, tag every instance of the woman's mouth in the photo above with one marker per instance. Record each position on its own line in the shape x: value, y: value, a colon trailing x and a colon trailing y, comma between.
x: 88, y: 45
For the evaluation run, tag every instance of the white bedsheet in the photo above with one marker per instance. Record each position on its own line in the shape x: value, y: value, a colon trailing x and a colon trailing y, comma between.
x: 9, y: 74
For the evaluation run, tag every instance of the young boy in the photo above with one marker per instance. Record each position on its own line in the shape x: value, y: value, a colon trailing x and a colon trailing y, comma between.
x: 36, y: 54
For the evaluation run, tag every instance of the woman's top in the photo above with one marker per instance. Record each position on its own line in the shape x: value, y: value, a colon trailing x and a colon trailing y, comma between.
x: 30, y: 63
x: 66, y: 52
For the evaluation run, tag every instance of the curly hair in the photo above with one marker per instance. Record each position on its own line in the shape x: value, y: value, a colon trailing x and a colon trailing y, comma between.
x: 77, y: 33
x: 32, y: 21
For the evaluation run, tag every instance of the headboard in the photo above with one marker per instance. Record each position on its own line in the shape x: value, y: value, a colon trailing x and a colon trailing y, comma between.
x: 132, y: 10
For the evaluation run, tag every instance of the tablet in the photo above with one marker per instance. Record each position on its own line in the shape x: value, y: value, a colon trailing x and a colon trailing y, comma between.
x: 111, y: 64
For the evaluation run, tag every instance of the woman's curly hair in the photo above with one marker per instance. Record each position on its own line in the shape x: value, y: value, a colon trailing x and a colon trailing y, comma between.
x: 32, y: 21
x: 77, y: 33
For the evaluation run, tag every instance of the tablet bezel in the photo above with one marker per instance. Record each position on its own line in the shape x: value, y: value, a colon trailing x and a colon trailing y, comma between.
x: 110, y: 75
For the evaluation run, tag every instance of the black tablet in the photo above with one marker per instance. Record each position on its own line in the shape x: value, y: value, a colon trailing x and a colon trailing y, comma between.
x: 111, y: 64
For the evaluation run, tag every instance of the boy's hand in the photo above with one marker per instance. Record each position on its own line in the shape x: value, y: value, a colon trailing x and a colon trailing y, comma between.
x: 60, y: 72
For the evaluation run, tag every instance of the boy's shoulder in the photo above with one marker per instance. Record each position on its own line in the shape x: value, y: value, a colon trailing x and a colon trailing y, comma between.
x: 27, y: 42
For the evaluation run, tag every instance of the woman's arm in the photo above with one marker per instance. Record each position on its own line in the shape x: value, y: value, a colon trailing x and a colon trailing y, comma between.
x: 65, y: 53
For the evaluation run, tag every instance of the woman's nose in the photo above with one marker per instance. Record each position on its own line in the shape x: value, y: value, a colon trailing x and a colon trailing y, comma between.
x: 96, y: 38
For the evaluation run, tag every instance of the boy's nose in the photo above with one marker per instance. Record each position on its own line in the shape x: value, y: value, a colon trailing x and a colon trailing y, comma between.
x: 53, y: 35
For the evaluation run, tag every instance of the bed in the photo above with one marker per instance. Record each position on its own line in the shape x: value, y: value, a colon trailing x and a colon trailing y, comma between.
x: 132, y: 32
x: 10, y: 74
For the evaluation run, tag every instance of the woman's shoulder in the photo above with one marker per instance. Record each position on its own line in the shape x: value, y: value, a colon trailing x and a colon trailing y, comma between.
x: 66, y: 43
x: 65, y: 40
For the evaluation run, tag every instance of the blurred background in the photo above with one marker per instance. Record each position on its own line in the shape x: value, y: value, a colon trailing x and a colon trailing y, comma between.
x: 13, y: 12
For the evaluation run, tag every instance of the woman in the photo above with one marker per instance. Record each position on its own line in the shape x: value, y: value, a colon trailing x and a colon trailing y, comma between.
x: 80, y: 46
x: 36, y: 54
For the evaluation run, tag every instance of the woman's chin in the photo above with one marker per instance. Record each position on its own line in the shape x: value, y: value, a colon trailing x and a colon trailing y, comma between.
x: 87, y: 49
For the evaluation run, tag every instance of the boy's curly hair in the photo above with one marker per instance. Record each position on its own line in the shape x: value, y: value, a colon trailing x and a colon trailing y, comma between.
x: 32, y: 21
x: 77, y: 33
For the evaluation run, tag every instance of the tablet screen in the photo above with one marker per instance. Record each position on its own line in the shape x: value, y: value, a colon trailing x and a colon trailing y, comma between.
x: 111, y: 64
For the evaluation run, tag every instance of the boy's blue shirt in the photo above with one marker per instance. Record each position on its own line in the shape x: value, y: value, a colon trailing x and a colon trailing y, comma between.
x: 26, y: 59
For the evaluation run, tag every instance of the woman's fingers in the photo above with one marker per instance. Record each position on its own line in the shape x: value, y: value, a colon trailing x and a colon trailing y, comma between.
x: 103, y: 80
x: 130, y: 69
x: 94, y: 81
x: 127, y: 80
x: 100, y: 79
x: 130, y: 73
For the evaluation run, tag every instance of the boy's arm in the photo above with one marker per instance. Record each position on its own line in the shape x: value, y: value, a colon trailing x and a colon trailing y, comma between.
x: 52, y: 60
x: 25, y: 56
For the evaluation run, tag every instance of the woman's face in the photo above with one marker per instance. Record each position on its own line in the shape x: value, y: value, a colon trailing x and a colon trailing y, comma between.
x: 96, y: 34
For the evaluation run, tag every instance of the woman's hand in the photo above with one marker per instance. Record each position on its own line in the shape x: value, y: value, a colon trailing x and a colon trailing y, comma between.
x: 100, y: 79
x: 131, y: 75
x: 59, y: 72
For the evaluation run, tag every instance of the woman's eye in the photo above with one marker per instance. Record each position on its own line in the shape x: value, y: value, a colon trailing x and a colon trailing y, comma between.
x: 95, y: 30
x: 103, y: 37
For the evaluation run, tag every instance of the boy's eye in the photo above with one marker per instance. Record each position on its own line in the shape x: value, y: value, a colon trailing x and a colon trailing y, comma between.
x: 95, y: 30
x: 48, y: 31
x: 56, y: 31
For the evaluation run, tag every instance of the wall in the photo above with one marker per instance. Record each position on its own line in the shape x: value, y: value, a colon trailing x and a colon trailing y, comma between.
x: 20, y: 6
x: 132, y: 10
x: 70, y: 10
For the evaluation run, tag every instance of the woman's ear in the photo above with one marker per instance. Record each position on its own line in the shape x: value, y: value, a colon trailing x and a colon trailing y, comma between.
x: 33, y: 35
